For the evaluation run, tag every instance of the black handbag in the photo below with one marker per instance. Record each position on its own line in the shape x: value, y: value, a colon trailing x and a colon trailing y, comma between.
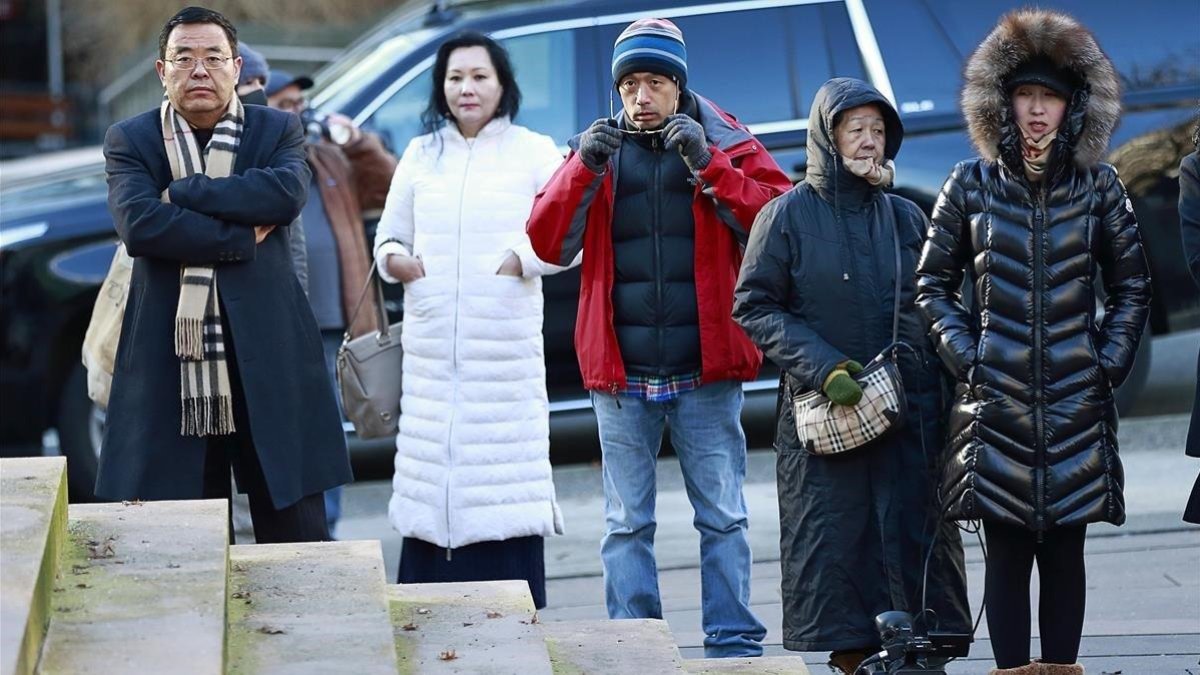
x: 369, y: 371
x: 826, y: 428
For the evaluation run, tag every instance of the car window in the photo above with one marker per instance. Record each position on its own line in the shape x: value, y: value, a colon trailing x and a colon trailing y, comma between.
x: 84, y: 183
x: 828, y: 49
x: 545, y: 70
x: 925, y: 43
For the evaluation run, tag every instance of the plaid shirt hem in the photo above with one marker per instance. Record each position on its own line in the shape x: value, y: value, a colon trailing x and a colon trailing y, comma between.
x: 655, y: 388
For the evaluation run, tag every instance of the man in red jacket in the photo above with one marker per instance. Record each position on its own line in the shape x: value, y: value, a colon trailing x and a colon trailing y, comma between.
x: 661, y: 203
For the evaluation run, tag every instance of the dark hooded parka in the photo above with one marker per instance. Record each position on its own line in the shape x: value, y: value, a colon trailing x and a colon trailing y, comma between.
x: 816, y: 289
x: 1033, y: 429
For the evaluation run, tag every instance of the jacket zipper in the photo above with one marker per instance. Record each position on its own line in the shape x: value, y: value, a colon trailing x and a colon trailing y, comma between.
x: 1039, y: 447
x: 656, y: 230
x: 462, y: 197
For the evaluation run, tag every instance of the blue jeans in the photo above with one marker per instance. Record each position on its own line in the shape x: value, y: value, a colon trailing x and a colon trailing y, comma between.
x: 706, y: 432
x: 331, y: 341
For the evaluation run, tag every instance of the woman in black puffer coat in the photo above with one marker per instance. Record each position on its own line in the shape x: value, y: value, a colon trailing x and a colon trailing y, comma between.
x: 1039, y: 220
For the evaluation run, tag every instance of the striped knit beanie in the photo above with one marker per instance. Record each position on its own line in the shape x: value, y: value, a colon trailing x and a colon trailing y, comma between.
x: 650, y: 46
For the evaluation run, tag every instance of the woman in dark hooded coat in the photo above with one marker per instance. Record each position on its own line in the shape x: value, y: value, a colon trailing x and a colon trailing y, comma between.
x: 816, y: 294
x: 1039, y: 219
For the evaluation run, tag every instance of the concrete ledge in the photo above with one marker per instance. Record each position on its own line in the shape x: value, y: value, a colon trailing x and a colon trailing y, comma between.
x: 487, y: 627
x: 617, y: 647
x: 142, y: 590
x: 33, y: 528
x: 309, y: 608
x: 763, y: 665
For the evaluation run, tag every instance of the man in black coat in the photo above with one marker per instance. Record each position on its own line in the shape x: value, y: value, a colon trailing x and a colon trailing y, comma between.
x: 264, y: 404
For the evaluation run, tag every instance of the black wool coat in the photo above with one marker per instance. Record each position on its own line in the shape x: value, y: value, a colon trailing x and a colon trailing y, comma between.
x: 294, y: 421
x: 817, y: 287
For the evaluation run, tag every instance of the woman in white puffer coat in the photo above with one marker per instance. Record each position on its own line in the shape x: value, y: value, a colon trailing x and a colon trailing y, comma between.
x: 472, y: 493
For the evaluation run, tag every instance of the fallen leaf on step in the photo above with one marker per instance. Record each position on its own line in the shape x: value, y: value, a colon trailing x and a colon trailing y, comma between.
x: 82, y: 586
x: 269, y: 630
x: 173, y: 566
x: 494, y: 614
x: 103, y: 549
x: 409, y: 627
x: 448, y: 655
x: 467, y: 623
x: 532, y: 620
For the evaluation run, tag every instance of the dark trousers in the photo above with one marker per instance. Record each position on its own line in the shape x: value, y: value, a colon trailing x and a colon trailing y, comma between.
x: 302, y: 521
x: 1011, y: 552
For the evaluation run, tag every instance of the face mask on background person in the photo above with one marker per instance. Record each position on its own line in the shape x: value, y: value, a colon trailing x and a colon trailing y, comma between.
x: 257, y: 97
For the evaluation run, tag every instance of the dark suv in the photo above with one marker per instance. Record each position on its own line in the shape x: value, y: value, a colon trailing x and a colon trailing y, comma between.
x: 762, y: 60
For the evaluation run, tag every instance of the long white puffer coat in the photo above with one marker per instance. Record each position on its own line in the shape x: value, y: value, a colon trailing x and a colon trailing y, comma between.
x: 473, y: 451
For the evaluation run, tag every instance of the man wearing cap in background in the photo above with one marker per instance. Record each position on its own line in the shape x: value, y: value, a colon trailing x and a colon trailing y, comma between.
x: 661, y: 202
x: 351, y: 174
x: 251, y: 89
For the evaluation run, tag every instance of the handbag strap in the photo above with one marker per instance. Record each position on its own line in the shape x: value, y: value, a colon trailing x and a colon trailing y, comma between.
x: 899, y: 271
x: 380, y: 311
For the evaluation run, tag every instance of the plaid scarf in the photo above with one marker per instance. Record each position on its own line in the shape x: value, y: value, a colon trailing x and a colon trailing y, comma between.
x: 199, y: 343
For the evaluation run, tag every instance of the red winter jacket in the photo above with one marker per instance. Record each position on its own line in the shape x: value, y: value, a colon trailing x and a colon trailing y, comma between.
x: 574, y: 212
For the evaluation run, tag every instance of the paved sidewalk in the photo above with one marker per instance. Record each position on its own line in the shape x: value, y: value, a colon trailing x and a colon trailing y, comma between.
x: 1143, y: 612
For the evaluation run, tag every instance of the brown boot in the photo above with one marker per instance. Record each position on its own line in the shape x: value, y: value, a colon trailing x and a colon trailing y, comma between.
x: 1027, y: 669
x: 846, y: 662
x: 1060, y: 669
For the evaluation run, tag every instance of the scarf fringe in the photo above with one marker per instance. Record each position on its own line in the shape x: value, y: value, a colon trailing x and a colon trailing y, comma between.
x: 207, y: 416
x: 189, y: 338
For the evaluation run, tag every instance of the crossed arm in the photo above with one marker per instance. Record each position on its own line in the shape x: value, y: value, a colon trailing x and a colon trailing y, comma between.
x: 208, y: 220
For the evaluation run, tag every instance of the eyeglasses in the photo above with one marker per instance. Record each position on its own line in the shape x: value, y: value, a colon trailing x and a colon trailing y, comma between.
x: 210, y: 62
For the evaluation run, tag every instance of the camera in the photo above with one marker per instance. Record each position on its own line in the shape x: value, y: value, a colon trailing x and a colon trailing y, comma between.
x: 906, y: 649
x: 317, y: 125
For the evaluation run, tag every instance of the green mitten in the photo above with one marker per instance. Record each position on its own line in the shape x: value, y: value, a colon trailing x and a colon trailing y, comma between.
x: 851, y: 367
x: 842, y: 389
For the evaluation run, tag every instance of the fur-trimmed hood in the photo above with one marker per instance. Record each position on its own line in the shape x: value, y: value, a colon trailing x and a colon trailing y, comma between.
x: 1093, y: 110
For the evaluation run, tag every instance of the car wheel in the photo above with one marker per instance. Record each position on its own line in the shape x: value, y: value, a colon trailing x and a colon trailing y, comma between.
x: 80, y: 432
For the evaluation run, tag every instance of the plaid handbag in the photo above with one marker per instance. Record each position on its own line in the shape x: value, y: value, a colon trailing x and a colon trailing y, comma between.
x: 825, y: 428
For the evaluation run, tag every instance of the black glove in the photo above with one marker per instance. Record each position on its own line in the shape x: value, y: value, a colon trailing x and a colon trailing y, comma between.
x: 686, y: 134
x: 599, y: 143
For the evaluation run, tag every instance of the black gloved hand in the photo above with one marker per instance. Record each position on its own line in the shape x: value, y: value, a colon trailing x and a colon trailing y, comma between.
x: 599, y: 143
x: 687, y: 135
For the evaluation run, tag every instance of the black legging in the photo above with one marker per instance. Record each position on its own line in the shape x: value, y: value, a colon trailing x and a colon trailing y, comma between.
x: 1010, y: 555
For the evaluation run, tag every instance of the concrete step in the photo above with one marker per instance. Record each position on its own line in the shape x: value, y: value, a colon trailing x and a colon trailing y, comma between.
x: 142, y: 590
x: 33, y: 530
x: 486, y: 627
x: 763, y: 665
x: 308, y: 608
x: 617, y: 647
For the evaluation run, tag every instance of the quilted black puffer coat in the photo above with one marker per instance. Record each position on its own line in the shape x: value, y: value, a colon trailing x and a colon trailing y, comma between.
x: 1033, y: 428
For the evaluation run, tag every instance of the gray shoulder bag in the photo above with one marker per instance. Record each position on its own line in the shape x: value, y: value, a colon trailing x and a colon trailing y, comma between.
x: 369, y: 371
